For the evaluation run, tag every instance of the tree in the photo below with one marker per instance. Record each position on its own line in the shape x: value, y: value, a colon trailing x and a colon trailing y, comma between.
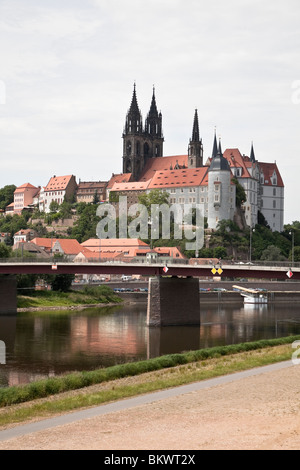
x: 85, y: 227
x: 240, y: 195
x: 60, y: 282
x: 156, y: 196
x: 7, y: 195
x: 5, y: 251
x: 272, y: 253
x: 54, y: 206
x: 96, y: 199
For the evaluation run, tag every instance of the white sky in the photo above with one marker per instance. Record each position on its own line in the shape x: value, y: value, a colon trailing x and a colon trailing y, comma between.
x: 67, y: 70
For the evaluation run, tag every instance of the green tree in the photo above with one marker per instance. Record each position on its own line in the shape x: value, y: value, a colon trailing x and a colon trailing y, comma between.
x: 7, y: 195
x: 54, y: 206
x: 272, y: 253
x: 96, y: 199
x: 240, y: 195
x: 5, y: 251
x: 85, y: 227
x: 60, y: 282
x: 156, y: 196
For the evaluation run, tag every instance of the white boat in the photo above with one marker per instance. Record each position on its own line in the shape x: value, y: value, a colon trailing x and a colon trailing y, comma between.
x: 252, y: 296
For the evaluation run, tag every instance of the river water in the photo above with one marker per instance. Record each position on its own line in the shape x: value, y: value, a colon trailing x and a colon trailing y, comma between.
x: 45, y: 344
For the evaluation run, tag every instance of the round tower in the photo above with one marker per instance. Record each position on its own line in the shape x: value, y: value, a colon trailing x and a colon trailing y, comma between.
x: 219, y: 178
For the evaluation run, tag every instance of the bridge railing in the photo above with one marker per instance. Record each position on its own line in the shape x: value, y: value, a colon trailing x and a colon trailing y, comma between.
x: 136, y: 260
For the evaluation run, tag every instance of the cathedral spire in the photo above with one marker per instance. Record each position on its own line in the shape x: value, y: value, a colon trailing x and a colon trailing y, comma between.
x: 252, y: 156
x: 153, y: 108
x: 195, y: 133
x: 195, y: 148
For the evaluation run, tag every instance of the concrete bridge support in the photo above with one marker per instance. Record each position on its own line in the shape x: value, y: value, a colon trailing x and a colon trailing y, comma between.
x: 173, y: 301
x: 8, y: 295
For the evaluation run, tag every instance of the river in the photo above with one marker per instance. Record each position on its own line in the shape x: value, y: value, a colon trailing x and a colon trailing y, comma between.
x: 46, y: 344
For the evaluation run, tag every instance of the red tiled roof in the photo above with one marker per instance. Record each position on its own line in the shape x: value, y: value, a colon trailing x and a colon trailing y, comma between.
x: 237, y: 160
x: 120, y: 178
x: 268, y: 171
x: 178, y: 178
x: 113, y: 243
x: 92, y: 184
x: 23, y: 188
x: 163, y: 164
x: 69, y: 246
x: 58, y: 183
x: 131, y: 186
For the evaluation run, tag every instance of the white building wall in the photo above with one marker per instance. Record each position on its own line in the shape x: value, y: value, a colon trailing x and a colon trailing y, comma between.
x: 272, y: 206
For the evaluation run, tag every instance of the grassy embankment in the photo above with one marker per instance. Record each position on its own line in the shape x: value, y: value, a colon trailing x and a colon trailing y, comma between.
x: 84, y: 389
x: 89, y: 295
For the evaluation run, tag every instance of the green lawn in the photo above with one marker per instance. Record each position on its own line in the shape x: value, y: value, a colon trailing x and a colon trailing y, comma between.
x: 86, y: 296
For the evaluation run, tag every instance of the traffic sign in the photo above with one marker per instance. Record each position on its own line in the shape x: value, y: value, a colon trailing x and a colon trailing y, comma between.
x: 220, y: 271
x: 214, y: 271
x: 289, y: 273
x: 165, y: 269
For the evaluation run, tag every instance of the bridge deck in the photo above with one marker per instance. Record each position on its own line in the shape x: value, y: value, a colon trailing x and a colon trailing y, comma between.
x: 150, y: 269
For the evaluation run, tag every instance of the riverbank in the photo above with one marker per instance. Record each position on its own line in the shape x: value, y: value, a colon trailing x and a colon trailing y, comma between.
x: 89, y: 297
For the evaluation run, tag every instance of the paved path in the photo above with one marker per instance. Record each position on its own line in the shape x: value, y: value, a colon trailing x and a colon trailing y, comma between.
x: 156, y: 416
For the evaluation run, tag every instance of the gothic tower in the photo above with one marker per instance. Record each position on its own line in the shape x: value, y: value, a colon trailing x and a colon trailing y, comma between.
x: 195, y: 149
x: 153, y: 132
x: 133, y: 139
x: 140, y: 144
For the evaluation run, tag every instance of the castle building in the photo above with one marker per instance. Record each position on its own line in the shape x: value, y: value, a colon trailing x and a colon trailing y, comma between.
x: 189, y: 180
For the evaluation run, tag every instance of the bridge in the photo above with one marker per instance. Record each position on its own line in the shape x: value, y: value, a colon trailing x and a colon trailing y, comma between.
x: 173, y: 294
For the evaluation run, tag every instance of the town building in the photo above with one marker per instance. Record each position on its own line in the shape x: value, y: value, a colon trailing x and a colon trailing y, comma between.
x: 24, y: 197
x: 58, y: 189
x: 60, y: 246
x: 24, y: 235
x: 88, y: 191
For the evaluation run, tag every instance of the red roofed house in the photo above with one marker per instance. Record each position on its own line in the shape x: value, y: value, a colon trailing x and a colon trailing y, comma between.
x: 24, y: 196
x: 59, y: 188
x: 87, y: 190
x: 124, y: 246
x: 63, y: 246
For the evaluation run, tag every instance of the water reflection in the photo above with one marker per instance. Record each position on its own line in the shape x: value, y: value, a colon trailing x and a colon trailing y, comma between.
x: 48, y: 344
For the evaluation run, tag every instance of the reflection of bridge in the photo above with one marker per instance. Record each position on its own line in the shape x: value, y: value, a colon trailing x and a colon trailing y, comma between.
x: 173, y: 297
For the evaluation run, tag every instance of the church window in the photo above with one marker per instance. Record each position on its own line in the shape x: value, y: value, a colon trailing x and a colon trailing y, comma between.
x: 274, y: 191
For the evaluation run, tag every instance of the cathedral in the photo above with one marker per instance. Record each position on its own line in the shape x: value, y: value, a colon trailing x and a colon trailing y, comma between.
x: 189, y: 179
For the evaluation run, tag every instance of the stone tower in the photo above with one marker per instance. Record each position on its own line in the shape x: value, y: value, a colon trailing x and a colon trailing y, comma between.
x: 219, y: 189
x: 195, y: 149
x: 141, y: 143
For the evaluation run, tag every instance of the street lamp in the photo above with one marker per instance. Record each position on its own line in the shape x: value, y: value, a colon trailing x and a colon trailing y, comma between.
x: 293, y: 245
x: 251, y: 231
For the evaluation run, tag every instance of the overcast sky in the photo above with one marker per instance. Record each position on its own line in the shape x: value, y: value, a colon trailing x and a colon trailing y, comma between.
x: 67, y: 70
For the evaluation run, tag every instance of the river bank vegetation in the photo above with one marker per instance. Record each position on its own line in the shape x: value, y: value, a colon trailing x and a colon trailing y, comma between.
x: 89, y: 295
x: 84, y: 389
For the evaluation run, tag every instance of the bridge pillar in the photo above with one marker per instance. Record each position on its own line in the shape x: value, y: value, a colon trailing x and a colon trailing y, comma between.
x: 173, y: 301
x: 8, y: 295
